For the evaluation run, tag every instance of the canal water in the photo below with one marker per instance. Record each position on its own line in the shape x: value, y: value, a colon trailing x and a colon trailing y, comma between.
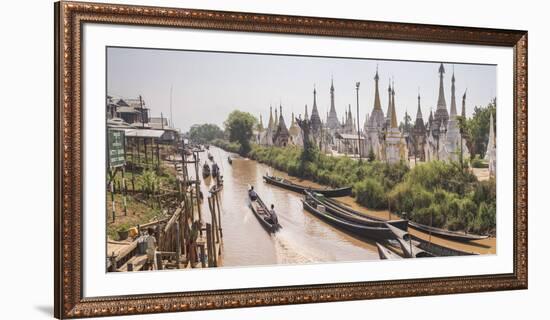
x: 303, y: 238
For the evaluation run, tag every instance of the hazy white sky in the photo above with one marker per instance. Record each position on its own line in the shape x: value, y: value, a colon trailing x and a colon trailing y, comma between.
x: 209, y: 85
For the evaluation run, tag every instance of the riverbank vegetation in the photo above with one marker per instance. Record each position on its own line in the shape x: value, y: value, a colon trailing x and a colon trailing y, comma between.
x: 436, y: 193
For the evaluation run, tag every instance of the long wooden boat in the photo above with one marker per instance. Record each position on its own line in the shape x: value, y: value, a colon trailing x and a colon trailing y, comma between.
x: 289, y: 185
x: 350, y: 210
x: 385, y: 253
x: 261, y: 212
x: 452, y: 235
x: 355, y: 217
x: 408, y: 247
x: 438, y: 250
x: 355, y: 228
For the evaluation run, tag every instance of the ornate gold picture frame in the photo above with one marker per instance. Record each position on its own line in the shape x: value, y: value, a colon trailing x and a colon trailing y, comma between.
x: 70, y: 17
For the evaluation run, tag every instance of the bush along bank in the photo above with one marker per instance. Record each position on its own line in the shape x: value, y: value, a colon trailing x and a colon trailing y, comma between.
x: 234, y: 147
x: 436, y: 193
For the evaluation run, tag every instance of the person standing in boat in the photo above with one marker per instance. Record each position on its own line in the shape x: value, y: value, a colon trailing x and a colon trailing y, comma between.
x: 252, y: 194
x: 273, y: 215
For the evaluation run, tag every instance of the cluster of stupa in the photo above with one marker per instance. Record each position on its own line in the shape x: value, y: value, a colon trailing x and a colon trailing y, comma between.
x: 439, y: 138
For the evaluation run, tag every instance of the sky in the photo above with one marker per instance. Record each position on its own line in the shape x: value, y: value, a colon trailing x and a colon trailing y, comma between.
x: 207, y: 86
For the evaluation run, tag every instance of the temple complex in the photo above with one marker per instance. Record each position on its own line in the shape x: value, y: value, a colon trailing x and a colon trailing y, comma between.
x: 381, y: 137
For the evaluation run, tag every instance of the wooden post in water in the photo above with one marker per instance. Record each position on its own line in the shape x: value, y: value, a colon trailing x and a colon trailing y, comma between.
x: 209, y: 245
x: 217, y: 199
x: 159, y: 261
x: 202, y: 253
x: 178, y: 245
x: 212, y: 221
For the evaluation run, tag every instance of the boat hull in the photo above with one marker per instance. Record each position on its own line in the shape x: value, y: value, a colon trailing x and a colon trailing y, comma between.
x: 256, y: 206
x: 333, y: 193
x: 355, y: 216
x: 451, y: 235
x: 386, y: 254
x: 357, y: 229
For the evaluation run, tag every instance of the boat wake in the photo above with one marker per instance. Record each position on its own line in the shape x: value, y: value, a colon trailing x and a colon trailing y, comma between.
x: 288, y: 250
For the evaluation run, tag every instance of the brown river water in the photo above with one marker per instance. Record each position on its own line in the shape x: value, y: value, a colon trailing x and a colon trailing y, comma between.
x: 303, y: 238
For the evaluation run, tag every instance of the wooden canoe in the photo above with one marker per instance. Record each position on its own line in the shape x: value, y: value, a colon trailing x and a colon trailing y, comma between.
x: 289, y: 185
x: 355, y: 216
x: 261, y: 212
x: 452, y: 235
x: 355, y: 228
x: 385, y: 253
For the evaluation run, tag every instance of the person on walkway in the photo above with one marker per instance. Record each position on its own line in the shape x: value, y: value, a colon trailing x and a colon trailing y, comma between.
x: 151, y: 249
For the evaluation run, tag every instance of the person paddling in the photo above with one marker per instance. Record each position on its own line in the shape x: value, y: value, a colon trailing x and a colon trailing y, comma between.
x: 273, y: 215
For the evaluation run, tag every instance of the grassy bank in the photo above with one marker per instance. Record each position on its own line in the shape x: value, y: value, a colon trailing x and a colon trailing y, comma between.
x: 436, y: 192
x: 143, y: 188
x: 226, y: 145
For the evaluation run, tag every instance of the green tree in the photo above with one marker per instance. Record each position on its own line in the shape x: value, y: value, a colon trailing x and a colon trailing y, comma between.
x: 309, y: 152
x: 240, y: 126
x: 405, y: 125
x: 204, y: 133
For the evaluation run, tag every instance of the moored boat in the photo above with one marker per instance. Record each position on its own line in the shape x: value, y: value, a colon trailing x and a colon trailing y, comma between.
x: 354, y: 216
x: 378, y: 233
x: 261, y: 212
x: 385, y: 253
x: 348, y: 209
x: 438, y: 250
x: 452, y: 235
x: 289, y: 185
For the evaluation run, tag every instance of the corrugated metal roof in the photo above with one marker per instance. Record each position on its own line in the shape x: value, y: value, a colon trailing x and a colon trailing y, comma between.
x: 143, y: 133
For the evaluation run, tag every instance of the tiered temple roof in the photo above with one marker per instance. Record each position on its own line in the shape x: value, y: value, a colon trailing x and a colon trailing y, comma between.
x: 315, y: 118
